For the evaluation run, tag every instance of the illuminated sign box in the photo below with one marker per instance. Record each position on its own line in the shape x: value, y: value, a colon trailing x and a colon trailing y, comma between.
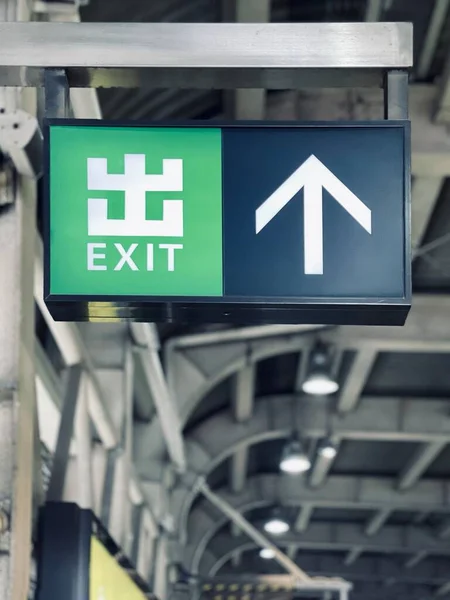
x: 76, y: 559
x: 251, y: 223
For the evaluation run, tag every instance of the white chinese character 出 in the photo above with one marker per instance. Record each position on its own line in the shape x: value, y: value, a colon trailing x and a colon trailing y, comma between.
x: 135, y: 183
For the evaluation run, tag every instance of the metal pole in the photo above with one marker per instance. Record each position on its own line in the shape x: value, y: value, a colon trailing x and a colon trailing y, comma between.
x: 84, y: 443
x: 253, y: 533
x: 57, y: 94
x: 61, y: 457
x: 396, y: 95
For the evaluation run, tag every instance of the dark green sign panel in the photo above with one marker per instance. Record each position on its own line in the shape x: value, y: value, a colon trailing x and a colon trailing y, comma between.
x: 251, y: 223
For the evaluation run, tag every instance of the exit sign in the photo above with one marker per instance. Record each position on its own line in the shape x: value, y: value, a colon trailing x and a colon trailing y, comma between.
x: 256, y: 223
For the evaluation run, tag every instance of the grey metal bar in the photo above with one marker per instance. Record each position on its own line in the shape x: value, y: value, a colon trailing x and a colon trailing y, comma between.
x: 396, y: 95
x: 432, y: 37
x: 198, y: 78
x: 252, y: 532
x: 136, y: 517
x: 199, y: 45
x: 108, y: 485
x: 57, y: 94
x: 210, y: 55
x: 61, y: 456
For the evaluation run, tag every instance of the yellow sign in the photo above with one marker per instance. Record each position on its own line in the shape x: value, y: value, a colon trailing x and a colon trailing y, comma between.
x: 108, y: 581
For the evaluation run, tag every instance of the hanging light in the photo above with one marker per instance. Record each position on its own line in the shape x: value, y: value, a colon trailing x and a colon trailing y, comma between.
x: 319, y: 381
x: 294, y: 459
x: 267, y: 553
x: 327, y: 448
x: 276, y: 526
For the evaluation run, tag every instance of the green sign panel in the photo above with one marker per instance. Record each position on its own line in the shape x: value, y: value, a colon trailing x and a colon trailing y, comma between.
x: 135, y: 211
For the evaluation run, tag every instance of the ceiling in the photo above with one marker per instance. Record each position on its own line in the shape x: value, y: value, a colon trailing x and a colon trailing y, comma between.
x: 378, y: 514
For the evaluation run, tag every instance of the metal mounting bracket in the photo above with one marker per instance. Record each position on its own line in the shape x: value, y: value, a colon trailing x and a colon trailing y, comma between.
x: 21, y: 140
x: 396, y: 95
x: 56, y: 94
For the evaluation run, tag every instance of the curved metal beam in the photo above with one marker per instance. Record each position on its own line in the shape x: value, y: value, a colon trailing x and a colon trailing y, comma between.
x: 194, y: 367
x: 193, y: 372
x: 376, y: 418
x: 377, y: 569
x: 371, y: 493
x: 332, y: 537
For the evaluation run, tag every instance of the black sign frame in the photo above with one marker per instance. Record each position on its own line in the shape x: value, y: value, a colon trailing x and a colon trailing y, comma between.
x: 64, y: 541
x: 234, y: 310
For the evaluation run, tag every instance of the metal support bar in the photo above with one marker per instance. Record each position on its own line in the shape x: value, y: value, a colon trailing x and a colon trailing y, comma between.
x: 373, y: 10
x: 108, y: 485
x: 375, y: 523
x: 353, y: 555
x: 252, y: 532
x: 65, y: 433
x: 396, y: 95
x: 432, y: 37
x: 444, y: 530
x: 356, y: 379
x: 147, y: 337
x: 239, y: 466
x: 424, y: 196
x: 415, y: 559
x: 84, y: 447
x: 443, y: 590
x: 304, y: 516
x: 243, y: 396
x: 248, y: 103
x: 57, y: 94
x: 420, y: 461
x: 322, y: 466
x: 282, y: 55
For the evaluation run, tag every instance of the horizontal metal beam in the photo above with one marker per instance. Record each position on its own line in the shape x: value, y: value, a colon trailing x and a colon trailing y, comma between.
x: 196, y: 364
x: 376, y: 418
x: 352, y: 493
x: 377, y: 569
x: 330, y: 46
x: 334, y: 537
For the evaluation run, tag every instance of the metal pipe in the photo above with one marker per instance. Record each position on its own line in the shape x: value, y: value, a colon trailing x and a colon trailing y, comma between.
x: 84, y: 443
x: 260, y: 539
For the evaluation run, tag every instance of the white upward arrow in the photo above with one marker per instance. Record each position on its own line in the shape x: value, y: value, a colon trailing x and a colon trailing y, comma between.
x: 313, y: 175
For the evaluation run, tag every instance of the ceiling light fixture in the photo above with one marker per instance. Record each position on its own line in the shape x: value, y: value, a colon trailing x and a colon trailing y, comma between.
x: 294, y: 459
x: 319, y: 381
x: 327, y: 448
x: 276, y: 526
x: 267, y: 553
